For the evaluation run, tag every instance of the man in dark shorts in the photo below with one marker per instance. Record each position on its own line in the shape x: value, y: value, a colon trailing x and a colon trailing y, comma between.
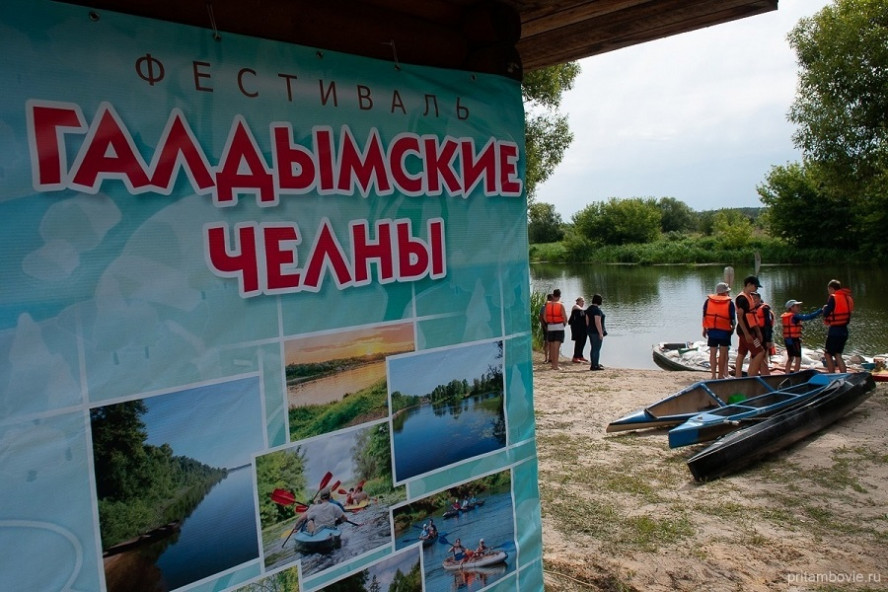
x: 719, y: 319
x: 748, y: 333
x: 837, y: 314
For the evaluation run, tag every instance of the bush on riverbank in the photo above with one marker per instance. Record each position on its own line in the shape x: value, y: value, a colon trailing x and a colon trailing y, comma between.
x: 682, y: 249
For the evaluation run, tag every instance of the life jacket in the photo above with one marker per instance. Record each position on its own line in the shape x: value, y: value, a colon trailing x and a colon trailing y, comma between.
x: 763, y: 315
x: 841, y: 313
x: 554, y: 313
x: 750, y: 316
x: 790, y: 330
x: 718, y: 313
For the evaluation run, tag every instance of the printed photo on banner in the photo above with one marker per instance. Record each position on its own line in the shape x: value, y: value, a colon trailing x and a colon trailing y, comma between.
x: 172, y: 472
x: 466, y: 533
x: 401, y: 572
x: 336, y: 380
x: 326, y: 500
x: 284, y: 580
x: 447, y: 406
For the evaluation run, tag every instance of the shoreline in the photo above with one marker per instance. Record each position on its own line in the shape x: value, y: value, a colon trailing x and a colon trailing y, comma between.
x: 621, y: 511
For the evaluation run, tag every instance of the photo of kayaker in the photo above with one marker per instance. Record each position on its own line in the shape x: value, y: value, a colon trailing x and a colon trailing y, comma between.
x: 338, y: 379
x: 474, y: 542
x: 450, y: 400
x: 171, y: 471
x: 303, y: 491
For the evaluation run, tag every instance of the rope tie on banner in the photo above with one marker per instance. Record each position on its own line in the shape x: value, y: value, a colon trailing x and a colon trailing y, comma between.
x: 216, y: 34
x: 391, y: 43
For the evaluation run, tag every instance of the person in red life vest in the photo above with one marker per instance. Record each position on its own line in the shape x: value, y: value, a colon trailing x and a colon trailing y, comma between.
x: 792, y: 333
x: 764, y: 318
x: 578, y: 334
x: 748, y: 331
x: 556, y: 319
x: 837, y: 314
x: 719, y: 318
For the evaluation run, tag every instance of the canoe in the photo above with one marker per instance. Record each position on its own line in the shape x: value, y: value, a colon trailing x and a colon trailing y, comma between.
x: 491, y: 558
x: 745, y: 446
x: 706, y: 395
x: 709, y: 425
x: 356, y: 507
x: 428, y: 541
x: 687, y: 356
x: 323, y: 540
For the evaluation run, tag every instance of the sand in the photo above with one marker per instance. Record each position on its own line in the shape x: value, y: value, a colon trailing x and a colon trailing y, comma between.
x: 622, y: 511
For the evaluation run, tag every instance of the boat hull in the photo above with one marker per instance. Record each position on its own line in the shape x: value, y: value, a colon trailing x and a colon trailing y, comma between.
x: 746, y: 446
x: 492, y: 558
x: 706, y: 395
x: 322, y: 541
x: 709, y: 425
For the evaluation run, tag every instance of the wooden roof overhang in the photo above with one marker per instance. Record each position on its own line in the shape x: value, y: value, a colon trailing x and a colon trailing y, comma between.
x: 505, y: 37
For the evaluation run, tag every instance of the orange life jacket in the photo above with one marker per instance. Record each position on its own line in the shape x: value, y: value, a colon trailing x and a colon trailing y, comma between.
x: 790, y: 330
x: 718, y: 313
x: 750, y: 316
x: 763, y: 315
x: 554, y: 313
x: 841, y: 313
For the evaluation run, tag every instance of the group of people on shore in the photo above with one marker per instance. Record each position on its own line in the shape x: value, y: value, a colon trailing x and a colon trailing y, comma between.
x: 753, y: 321
x: 584, y: 323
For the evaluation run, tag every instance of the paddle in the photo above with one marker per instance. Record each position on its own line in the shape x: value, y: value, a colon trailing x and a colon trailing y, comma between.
x: 283, y: 497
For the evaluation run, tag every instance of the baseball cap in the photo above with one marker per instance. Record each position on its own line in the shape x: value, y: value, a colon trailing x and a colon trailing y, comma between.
x: 751, y: 279
x: 791, y: 303
x: 722, y: 287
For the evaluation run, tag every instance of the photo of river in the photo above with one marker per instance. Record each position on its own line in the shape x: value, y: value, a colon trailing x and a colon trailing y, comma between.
x: 175, y: 486
x: 449, y: 401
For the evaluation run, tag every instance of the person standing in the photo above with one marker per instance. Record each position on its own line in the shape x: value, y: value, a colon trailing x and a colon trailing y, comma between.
x: 748, y: 332
x: 597, y: 332
x: 837, y: 315
x: 764, y: 317
x: 578, y: 331
x: 719, y: 319
x: 792, y: 333
x: 556, y: 319
x: 542, y: 318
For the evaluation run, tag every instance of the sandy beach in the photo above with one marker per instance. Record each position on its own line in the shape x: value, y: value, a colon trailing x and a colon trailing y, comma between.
x: 622, y: 511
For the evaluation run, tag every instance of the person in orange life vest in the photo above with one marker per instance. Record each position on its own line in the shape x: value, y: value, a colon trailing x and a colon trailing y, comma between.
x: 764, y: 317
x: 837, y: 314
x: 748, y: 331
x: 577, y: 322
x: 719, y: 318
x: 542, y: 318
x: 556, y: 319
x: 792, y: 333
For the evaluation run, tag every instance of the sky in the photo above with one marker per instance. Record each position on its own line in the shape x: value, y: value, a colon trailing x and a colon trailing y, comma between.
x: 700, y: 117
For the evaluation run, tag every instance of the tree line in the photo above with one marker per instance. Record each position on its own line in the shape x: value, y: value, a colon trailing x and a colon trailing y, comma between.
x: 139, y: 486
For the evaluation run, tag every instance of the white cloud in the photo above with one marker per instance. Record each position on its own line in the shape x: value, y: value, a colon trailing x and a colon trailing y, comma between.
x: 700, y: 117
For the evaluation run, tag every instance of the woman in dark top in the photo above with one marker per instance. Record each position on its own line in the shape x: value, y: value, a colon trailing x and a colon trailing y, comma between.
x: 597, y: 332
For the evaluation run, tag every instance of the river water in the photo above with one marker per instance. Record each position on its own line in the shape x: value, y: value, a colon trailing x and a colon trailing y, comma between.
x: 649, y: 304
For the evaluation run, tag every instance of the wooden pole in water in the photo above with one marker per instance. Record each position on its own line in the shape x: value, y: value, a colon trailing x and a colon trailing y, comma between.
x: 729, y: 276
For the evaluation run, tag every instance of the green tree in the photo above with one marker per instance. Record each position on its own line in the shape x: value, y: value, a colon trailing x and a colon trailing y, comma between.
x: 799, y: 212
x: 841, y: 109
x: 619, y: 221
x: 544, y: 224
x: 546, y: 131
x: 676, y: 216
x: 732, y: 229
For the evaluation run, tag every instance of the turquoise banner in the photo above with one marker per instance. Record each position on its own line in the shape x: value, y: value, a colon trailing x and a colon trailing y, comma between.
x: 263, y: 315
